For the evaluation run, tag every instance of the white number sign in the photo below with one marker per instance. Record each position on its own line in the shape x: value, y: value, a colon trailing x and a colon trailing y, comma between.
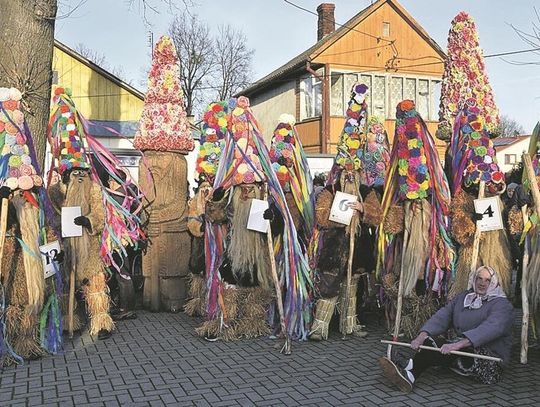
x: 48, y: 251
x: 491, y: 214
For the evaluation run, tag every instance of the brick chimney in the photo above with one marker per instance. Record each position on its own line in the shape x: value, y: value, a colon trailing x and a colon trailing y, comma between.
x: 326, y: 23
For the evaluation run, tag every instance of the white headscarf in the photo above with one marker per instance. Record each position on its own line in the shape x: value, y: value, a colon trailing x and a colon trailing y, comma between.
x: 474, y: 300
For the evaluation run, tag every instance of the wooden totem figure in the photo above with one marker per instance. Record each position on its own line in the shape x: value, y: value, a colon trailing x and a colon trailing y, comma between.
x: 164, y: 137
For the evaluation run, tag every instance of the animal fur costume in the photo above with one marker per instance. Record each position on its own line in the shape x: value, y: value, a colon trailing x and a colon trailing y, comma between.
x: 331, y: 240
x: 165, y: 138
x: 413, y: 241
x: 474, y: 160
x: 82, y: 253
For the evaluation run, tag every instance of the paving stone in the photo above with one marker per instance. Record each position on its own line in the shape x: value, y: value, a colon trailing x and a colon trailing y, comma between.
x: 157, y: 360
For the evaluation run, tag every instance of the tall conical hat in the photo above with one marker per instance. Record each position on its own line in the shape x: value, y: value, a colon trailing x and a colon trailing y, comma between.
x: 216, y: 120
x: 414, y: 179
x: 67, y: 132
x: 164, y: 125
x: 282, y: 153
x: 246, y: 164
x: 17, y: 163
x: 351, y: 137
x: 465, y: 77
x: 374, y: 154
x: 474, y: 156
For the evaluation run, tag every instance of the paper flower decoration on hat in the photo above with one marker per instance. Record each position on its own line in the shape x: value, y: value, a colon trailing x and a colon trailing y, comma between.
x: 67, y: 132
x: 164, y: 125
x: 534, y: 152
x: 474, y: 156
x: 290, y: 165
x: 354, y: 129
x: 374, y: 154
x: 17, y: 159
x: 216, y: 119
x: 414, y: 179
x: 243, y: 128
x: 465, y: 78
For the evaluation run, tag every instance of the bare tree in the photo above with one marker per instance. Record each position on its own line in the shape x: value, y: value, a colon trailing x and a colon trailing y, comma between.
x: 96, y: 57
x: 212, y: 67
x: 530, y: 38
x: 509, y: 127
x: 194, y: 47
x: 26, y: 55
x: 233, y: 62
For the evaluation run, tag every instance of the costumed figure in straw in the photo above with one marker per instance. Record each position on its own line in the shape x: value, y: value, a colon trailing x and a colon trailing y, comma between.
x: 291, y: 167
x: 414, y: 245
x: 165, y: 138
x: 201, y: 208
x: 82, y: 163
x: 474, y: 167
x: 22, y: 231
x: 241, y: 274
x: 530, y: 279
x: 341, y: 253
x: 464, y: 78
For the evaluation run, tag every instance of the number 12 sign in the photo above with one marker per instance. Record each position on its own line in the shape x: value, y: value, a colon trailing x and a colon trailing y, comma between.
x: 491, y: 214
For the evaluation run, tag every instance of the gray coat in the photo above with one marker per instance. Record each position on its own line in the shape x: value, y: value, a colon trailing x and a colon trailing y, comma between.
x: 489, y: 326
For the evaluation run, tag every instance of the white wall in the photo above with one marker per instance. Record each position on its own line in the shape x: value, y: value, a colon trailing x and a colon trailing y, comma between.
x: 517, y: 148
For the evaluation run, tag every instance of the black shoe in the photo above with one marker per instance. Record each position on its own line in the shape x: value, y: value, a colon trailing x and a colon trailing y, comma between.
x: 104, y: 334
x: 211, y: 338
x: 120, y: 316
x: 396, y: 375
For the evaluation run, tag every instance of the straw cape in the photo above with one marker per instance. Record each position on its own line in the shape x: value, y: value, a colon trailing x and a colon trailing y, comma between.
x: 245, y: 160
x: 413, y: 240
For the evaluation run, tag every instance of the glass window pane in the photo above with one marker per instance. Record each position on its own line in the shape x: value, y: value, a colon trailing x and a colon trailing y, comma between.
x: 350, y: 80
x: 409, y: 92
x: 306, y: 99
x: 336, y: 94
x: 422, y: 103
x: 366, y: 80
x: 435, y: 99
x: 396, y: 95
x: 317, y: 96
x: 379, y: 96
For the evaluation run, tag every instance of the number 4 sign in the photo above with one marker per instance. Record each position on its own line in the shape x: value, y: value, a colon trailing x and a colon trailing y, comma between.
x: 48, y: 251
x: 491, y: 214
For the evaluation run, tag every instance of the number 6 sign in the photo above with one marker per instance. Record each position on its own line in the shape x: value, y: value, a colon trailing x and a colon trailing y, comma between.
x: 48, y: 251
x: 491, y: 214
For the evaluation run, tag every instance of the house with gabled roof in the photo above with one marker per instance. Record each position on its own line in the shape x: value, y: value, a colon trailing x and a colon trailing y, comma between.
x: 382, y: 46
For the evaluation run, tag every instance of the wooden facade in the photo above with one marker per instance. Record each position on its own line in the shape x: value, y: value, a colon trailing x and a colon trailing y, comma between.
x: 98, y: 94
x: 382, y: 46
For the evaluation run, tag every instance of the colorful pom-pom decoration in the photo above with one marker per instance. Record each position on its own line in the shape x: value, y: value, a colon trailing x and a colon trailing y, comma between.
x: 354, y: 129
x: 67, y: 132
x: 17, y: 171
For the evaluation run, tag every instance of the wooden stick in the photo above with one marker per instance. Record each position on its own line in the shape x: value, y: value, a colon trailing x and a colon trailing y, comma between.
x: 524, y: 297
x: 477, y: 232
x: 3, y: 229
x: 286, y: 349
x: 454, y: 352
x: 352, y: 234
x: 401, y: 287
x: 71, y: 304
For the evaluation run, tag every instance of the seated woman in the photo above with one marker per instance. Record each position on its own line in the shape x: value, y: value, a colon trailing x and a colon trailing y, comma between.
x: 479, y: 320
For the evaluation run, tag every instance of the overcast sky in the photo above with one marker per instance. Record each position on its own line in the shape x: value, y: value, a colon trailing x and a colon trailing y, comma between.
x: 278, y: 32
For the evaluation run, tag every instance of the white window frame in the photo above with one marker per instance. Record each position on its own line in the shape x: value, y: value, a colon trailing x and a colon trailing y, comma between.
x: 315, y: 82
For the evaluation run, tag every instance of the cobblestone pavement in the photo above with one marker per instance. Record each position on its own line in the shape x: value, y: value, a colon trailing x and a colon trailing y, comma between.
x: 158, y: 360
